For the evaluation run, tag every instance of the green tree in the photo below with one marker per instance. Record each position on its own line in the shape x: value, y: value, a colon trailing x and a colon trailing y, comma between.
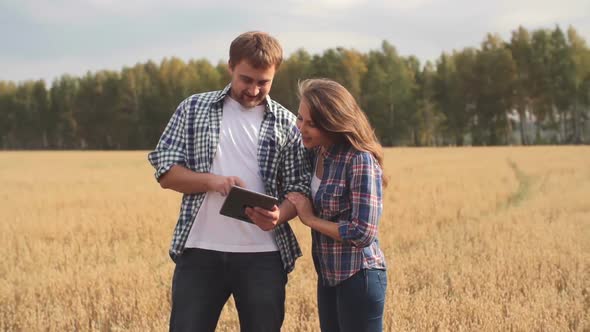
x: 96, y: 105
x: 496, y: 72
x: 45, y: 121
x: 208, y: 78
x: 520, y: 46
x: 581, y: 58
x: 7, y: 116
x: 294, y: 69
x: 542, y: 98
x: 456, y: 89
x: 63, y: 94
x: 224, y: 76
x: 156, y: 110
x: 467, y: 94
x: 426, y: 118
x: 29, y: 103
x: 387, y: 92
x: 347, y: 67
x: 562, y: 82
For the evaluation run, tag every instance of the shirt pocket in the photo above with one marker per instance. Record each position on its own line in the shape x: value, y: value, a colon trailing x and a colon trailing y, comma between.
x: 334, y: 201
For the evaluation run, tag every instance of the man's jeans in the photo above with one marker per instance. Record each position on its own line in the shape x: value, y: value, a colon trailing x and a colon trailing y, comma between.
x: 354, y: 305
x: 204, y: 279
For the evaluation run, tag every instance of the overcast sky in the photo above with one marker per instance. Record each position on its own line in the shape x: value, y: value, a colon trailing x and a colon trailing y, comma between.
x: 45, y: 39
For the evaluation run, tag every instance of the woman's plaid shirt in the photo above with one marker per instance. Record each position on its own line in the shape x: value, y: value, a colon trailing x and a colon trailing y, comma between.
x: 350, y: 194
x: 191, y: 138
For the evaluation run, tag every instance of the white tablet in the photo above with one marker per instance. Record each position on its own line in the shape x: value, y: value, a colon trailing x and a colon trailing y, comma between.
x: 239, y: 199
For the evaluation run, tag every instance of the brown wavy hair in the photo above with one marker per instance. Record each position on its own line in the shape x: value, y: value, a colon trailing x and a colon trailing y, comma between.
x: 335, y: 111
x: 260, y: 49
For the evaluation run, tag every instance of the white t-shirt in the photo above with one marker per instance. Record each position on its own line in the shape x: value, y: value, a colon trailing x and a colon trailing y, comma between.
x: 315, y: 181
x: 315, y: 185
x: 236, y: 155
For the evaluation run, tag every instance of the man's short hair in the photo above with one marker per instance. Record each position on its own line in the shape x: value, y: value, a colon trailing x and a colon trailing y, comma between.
x: 258, y: 48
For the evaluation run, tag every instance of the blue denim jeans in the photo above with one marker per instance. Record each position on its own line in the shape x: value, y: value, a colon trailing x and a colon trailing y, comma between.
x: 204, y: 279
x: 354, y: 305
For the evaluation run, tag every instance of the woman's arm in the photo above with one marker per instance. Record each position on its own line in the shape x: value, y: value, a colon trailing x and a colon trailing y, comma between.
x: 365, y: 190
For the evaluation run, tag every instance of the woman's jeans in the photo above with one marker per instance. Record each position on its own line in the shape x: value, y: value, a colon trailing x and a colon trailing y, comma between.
x: 354, y: 305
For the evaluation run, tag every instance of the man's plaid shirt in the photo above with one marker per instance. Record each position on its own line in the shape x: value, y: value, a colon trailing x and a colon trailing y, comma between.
x: 191, y: 138
x: 350, y: 194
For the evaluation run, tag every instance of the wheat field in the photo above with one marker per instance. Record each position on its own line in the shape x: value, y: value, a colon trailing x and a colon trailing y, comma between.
x: 476, y: 239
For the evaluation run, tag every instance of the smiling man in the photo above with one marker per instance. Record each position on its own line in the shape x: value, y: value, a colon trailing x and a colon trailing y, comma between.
x: 214, y: 140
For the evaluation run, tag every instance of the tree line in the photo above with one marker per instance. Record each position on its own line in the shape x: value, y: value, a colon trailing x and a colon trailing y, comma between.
x: 532, y: 89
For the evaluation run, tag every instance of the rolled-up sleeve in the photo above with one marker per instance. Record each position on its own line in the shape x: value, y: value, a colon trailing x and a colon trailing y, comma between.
x: 295, y: 170
x: 364, y: 174
x: 171, y: 148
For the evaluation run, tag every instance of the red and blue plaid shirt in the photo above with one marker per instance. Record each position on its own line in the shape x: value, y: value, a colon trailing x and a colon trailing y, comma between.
x: 349, y: 194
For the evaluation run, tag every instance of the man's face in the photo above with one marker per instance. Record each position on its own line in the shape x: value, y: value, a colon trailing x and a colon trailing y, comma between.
x: 249, y: 85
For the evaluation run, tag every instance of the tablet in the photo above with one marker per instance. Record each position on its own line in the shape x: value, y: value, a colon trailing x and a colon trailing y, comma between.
x: 239, y: 199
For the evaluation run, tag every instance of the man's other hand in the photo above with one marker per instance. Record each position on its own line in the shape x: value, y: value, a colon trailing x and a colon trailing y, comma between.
x: 265, y: 219
x: 223, y: 184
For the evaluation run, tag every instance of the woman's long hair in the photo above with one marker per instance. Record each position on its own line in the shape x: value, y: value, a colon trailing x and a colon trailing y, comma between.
x: 334, y: 110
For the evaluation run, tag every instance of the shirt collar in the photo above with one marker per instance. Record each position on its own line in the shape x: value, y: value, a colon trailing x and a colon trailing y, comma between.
x: 221, y: 95
x: 334, y: 150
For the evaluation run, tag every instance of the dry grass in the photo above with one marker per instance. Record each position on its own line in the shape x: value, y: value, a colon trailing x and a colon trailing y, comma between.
x: 477, y: 239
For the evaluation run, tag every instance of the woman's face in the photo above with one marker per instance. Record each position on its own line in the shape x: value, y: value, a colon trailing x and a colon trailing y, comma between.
x: 311, y: 135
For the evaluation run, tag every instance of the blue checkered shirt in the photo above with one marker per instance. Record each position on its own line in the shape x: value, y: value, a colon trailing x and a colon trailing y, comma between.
x: 191, y: 138
x: 350, y: 194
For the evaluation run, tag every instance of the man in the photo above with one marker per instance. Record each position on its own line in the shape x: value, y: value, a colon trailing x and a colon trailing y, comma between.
x: 214, y: 140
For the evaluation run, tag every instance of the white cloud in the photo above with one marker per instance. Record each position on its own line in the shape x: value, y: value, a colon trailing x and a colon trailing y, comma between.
x: 213, y: 48
x: 45, y: 38
x: 51, y: 68
x: 321, y: 9
x: 408, y: 4
x: 83, y: 12
x: 540, y: 12
x: 332, y: 8
x: 325, y: 4
x: 317, y: 41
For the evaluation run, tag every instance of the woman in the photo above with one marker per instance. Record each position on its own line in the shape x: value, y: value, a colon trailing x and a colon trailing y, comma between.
x: 347, y: 205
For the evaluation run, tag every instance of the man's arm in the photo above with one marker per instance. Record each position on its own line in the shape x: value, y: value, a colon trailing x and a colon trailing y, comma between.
x: 295, y: 170
x: 183, y: 180
x: 288, y: 212
x: 169, y: 161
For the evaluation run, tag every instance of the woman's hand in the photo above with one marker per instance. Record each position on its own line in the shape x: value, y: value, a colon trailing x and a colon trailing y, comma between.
x: 302, y: 205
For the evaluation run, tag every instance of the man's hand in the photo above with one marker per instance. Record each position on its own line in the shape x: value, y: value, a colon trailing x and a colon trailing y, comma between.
x: 223, y: 184
x: 265, y: 219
